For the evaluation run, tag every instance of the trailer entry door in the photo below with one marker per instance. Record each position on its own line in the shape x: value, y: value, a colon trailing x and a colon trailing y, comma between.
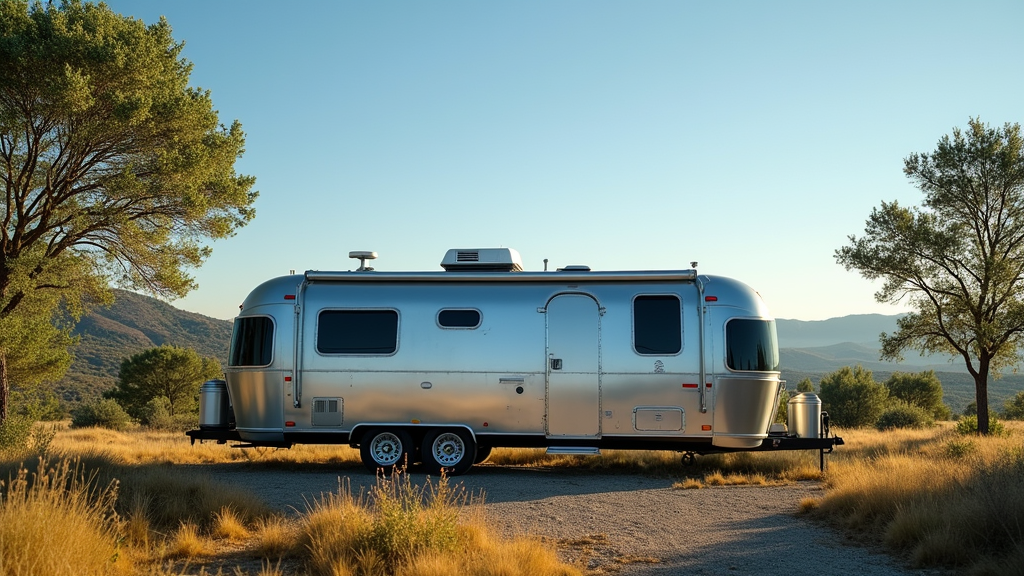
x: 574, y: 388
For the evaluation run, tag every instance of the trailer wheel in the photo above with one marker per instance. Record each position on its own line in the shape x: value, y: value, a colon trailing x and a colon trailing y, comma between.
x: 382, y: 450
x: 451, y: 450
x: 482, y: 454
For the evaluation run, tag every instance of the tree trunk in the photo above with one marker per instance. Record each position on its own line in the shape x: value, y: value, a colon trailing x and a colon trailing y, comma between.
x: 5, y: 388
x: 981, y: 397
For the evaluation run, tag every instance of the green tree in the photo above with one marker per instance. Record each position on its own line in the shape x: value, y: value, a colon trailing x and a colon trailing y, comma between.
x: 805, y: 385
x: 1013, y: 409
x: 168, y: 372
x: 852, y: 397
x: 114, y: 170
x: 959, y: 259
x: 922, y: 389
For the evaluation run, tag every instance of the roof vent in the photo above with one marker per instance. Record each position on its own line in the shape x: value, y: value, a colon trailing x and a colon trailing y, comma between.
x: 575, y: 268
x: 482, y: 260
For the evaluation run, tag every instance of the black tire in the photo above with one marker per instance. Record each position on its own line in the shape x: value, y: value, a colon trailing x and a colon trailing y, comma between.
x: 482, y: 454
x: 450, y: 449
x: 383, y: 449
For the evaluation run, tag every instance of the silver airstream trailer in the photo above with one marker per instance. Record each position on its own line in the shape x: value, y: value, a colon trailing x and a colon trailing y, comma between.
x: 441, y: 367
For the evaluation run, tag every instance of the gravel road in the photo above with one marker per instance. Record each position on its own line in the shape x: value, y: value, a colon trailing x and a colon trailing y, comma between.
x: 625, y: 524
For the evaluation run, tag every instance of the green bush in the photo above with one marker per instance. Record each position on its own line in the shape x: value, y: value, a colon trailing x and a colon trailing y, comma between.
x: 156, y: 414
x: 969, y: 425
x: 923, y: 389
x: 852, y: 397
x: 902, y: 414
x: 1013, y: 409
x: 39, y: 405
x: 105, y: 413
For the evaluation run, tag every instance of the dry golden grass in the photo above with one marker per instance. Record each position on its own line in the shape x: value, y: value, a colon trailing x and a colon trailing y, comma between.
x: 149, y: 447
x: 940, y: 498
x: 228, y: 525
x: 43, y: 512
x: 408, y: 530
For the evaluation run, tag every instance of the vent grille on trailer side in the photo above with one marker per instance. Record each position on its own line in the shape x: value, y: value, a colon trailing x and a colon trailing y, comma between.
x: 327, y: 411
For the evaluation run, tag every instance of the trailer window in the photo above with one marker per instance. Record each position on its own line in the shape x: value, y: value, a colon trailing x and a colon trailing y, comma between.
x: 252, y: 341
x: 751, y: 345
x: 357, y: 332
x: 458, y: 318
x: 657, y: 325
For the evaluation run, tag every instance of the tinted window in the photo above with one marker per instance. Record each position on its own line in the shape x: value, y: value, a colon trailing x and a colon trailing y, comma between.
x: 751, y: 345
x: 459, y: 318
x: 357, y: 332
x: 252, y: 342
x: 656, y: 325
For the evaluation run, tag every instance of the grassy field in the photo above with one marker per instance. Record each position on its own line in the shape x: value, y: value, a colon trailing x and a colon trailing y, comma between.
x: 932, y: 497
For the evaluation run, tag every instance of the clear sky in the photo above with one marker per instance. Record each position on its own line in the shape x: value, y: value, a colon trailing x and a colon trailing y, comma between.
x: 750, y: 136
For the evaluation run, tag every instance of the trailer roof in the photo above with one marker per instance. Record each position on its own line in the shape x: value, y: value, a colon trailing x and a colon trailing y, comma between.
x: 560, y: 276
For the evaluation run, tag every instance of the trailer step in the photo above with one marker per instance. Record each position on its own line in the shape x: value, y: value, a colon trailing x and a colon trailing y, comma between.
x: 578, y: 450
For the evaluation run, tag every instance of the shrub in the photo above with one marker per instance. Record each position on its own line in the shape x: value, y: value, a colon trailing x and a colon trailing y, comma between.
x: 923, y: 389
x: 901, y: 414
x: 156, y: 414
x: 1013, y: 409
x: 969, y: 425
x: 106, y: 413
x: 852, y: 397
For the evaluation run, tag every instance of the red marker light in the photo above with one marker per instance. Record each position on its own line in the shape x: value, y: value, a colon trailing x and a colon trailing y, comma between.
x: 289, y: 423
x: 689, y: 385
x: 711, y: 298
x: 289, y: 296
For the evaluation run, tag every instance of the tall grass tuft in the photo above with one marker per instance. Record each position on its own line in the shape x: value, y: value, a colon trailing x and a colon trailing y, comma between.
x: 402, y: 528
x: 58, y: 521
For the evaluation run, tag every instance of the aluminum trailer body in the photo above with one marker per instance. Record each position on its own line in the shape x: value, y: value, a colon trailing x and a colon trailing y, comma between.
x: 440, y: 367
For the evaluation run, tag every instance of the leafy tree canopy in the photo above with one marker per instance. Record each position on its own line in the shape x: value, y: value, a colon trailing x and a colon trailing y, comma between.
x: 114, y: 169
x: 959, y: 259
x: 167, y: 372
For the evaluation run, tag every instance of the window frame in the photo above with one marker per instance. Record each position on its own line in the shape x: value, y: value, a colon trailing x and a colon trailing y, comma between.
x: 479, y: 318
x: 398, y: 331
x: 633, y: 326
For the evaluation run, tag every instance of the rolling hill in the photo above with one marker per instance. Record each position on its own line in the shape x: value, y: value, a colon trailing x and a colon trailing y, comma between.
x: 130, y: 325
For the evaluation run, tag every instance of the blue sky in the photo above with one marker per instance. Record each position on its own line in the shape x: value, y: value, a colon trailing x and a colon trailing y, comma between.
x: 752, y: 137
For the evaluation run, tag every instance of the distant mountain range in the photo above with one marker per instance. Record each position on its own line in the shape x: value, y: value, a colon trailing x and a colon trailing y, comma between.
x: 809, y: 349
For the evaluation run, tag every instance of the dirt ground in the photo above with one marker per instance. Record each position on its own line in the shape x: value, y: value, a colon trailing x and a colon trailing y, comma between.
x: 624, y: 524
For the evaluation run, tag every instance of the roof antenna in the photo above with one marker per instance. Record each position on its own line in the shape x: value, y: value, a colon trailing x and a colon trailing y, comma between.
x: 693, y: 264
x: 363, y: 256
x: 545, y: 264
